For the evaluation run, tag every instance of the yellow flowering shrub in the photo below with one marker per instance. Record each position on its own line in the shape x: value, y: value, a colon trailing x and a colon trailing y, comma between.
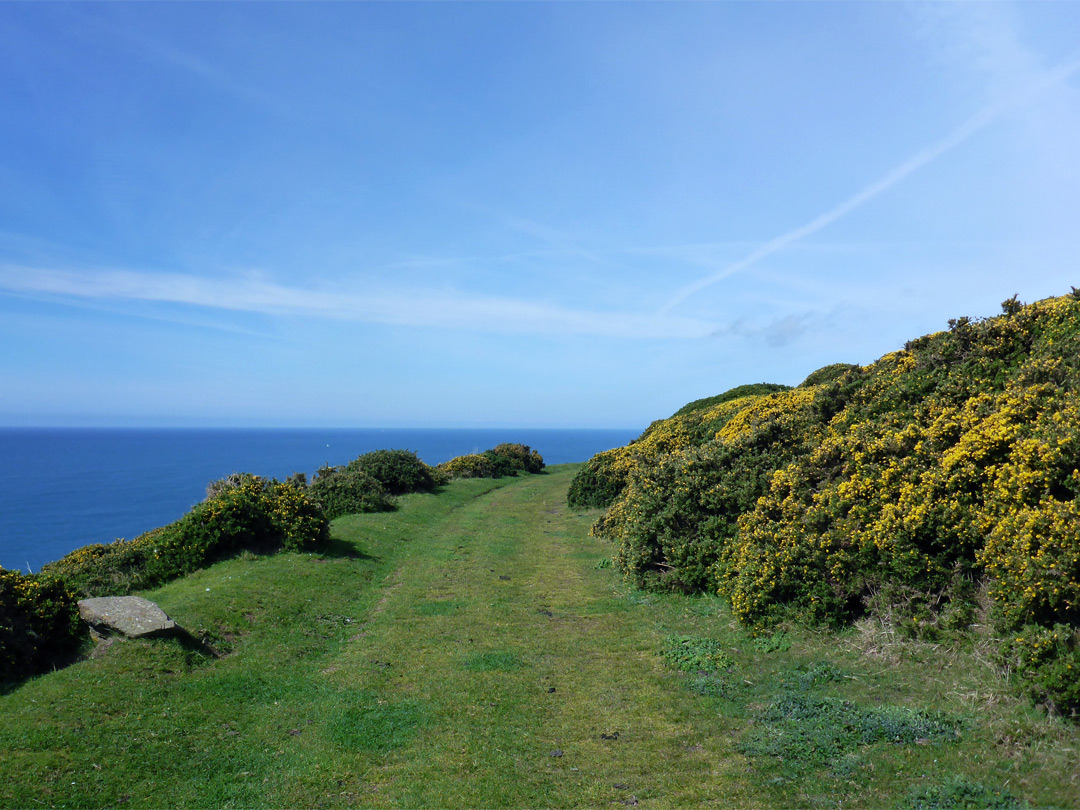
x: 250, y: 513
x: 606, y: 475
x: 901, y: 485
x: 503, y: 459
x: 678, y: 513
x: 39, y: 624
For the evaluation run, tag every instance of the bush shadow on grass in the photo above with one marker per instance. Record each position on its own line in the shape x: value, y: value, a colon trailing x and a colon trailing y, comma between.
x: 337, y: 548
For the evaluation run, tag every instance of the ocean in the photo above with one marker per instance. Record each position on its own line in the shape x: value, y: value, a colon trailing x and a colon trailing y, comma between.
x: 65, y: 488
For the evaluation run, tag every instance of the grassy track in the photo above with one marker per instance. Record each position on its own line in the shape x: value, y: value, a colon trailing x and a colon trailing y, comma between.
x: 474, y: 650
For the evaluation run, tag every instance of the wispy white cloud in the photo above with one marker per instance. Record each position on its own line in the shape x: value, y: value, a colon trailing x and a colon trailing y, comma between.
x: 1015, y: 97
x: 448, y: 309
x: 173, y: 57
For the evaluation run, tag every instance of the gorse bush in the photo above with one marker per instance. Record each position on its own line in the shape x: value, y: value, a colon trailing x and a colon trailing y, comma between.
x: 245, y: 513
x: 399, y: 471
x: 348, y: 490
x: 679, y: 513
x: 501, y: 460
x: 897, y: 486
x: 606, y: 475
x: 39, y: 624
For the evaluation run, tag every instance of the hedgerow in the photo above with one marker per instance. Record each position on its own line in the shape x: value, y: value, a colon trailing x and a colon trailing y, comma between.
x: 898, y: 486
x: 247, y: 512
x: 39, y: 624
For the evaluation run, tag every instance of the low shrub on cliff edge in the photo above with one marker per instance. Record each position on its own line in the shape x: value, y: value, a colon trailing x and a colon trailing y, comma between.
x: 399, y: 471
x: 348, y: 491
x: 39, y: 624
x: 246, y: 513
x: 503, y: 459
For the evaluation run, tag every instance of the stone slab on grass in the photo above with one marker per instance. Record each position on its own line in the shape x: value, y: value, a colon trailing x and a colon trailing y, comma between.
x: 131, y: 616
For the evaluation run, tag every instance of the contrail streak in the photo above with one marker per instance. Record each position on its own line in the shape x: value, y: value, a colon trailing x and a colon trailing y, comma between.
x: 972, y: 125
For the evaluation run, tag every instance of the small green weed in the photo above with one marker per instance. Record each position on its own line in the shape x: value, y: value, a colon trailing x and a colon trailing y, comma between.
x: 713, y: 686
x: 957, y: 793
x: 807, y: 731
x: 604, y: 563
x: 807, y: 676
x: 694, y: 654
x: 777, y: 642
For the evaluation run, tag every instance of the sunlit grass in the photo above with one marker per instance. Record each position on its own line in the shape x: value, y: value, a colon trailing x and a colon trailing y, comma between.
x: 473, y: 650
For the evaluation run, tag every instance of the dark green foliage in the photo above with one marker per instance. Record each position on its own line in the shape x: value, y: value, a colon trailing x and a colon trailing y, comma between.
x: 711, y: 685
x: 828, y: 374
x: 779, y: 641
x: 957, y: 793
x: 39, y: 625
x: 597, y: 483
x: 605, y: 476
x: 752, y: 389
x: 681, y: 512
x: 807, y: 730
x: 694, y: 654
x: 1046, y: 664
x: 520, y: 457
x: 399, y: 471
x: 246, y: 513
x: 348, y: 491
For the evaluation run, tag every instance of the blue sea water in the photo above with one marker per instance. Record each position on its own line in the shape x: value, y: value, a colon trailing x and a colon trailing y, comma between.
x: 65, y: 488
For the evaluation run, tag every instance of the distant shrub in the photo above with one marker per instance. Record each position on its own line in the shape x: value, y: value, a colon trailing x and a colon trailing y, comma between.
x: 347, y: 491
x: 246, y: 513
x: 598, y: 482
x: 501, y: 460
x: 740, y: 391
x: 39, y: 624
x: 473, y: 465
x: 399, y: 471
x: 520, y: 457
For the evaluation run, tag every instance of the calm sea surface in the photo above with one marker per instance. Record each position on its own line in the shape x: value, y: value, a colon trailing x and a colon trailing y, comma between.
x: 65, y: 488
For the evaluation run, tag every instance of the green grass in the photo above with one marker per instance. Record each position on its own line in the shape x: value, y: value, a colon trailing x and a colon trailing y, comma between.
x: 471, y: 650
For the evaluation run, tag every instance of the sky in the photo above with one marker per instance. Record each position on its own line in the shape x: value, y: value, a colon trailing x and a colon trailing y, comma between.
x: 511, y: 214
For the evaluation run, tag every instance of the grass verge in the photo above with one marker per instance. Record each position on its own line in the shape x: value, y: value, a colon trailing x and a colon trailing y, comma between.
x: 474, y: 650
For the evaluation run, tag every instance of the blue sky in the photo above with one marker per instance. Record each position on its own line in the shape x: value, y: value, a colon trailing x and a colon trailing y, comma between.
x: 511, y: 214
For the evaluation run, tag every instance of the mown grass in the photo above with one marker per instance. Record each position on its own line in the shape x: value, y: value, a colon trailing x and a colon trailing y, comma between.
x: 473, y: 650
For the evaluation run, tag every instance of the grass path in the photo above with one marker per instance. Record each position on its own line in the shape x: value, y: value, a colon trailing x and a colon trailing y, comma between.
x: 475, y: 649
x: 538, y: 686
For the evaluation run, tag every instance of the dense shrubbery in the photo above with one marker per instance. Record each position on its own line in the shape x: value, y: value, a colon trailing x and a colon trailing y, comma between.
x: 347, y: 491
x: 899, y: 485
x: 606, y: 475
x: 399, y: 471
x: 679, y: 512
x: 39, y: 624
x: 501, y: 460
x: 246, y: 512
